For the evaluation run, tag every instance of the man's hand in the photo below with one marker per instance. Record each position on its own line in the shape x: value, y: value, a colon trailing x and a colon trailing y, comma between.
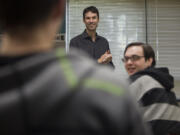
x: 105, y: 58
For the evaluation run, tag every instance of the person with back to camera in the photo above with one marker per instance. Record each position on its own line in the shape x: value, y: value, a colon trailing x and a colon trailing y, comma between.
x: 44, y: 92
x: 96, y: 46
x: 152, y: 87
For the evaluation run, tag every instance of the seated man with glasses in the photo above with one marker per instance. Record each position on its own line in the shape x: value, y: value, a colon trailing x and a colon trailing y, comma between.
x: 152, y: 88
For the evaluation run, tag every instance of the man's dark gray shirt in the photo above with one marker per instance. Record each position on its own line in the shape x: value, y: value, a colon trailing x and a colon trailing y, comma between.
x: 93, y: 49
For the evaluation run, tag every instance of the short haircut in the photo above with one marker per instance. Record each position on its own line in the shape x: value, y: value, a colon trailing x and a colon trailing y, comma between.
x: 92, y: 9
x: 24, y: 13
x: 147, y: 50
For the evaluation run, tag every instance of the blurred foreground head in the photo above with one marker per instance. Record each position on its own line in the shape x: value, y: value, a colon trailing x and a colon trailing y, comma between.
x: 49, y: 92
x: 16, y: 15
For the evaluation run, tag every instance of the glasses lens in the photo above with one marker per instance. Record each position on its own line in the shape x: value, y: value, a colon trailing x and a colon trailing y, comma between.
x: 125, y: 59
x: 132, y: 58
x: 135, y: 57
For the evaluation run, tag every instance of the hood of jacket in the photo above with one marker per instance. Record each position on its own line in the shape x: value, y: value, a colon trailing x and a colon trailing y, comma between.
x: 160, y: 74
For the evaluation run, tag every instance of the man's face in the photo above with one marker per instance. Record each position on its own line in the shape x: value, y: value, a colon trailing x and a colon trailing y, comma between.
x: 135, y: 60
x: 91, y: 21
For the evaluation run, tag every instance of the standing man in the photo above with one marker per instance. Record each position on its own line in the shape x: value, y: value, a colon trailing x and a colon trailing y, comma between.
x: 89, y: 41
x: 44, y: 92
x: 152, y: 87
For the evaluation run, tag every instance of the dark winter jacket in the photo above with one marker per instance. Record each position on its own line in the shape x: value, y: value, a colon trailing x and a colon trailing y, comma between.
x: 152, y: 87
x: 48, y: 94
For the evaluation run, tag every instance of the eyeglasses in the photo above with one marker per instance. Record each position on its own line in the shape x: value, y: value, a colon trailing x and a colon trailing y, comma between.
x: 132, y: 58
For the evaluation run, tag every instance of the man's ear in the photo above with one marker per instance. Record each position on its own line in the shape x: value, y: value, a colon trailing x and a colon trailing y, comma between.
x: 59, y: 9
x: 83, y: 19
x: 150, y: 60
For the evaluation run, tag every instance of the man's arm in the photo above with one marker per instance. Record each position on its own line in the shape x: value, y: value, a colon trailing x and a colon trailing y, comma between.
x: 110, y: 63
x: 73, y: 44
x: 163, y: 114
x: 159, y: 106
x: 106, y: 58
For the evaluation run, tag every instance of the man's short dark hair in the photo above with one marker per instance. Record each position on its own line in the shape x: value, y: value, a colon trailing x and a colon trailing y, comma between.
x: 24, y: 13
x: 147, y: 50
x: 92, y: 9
